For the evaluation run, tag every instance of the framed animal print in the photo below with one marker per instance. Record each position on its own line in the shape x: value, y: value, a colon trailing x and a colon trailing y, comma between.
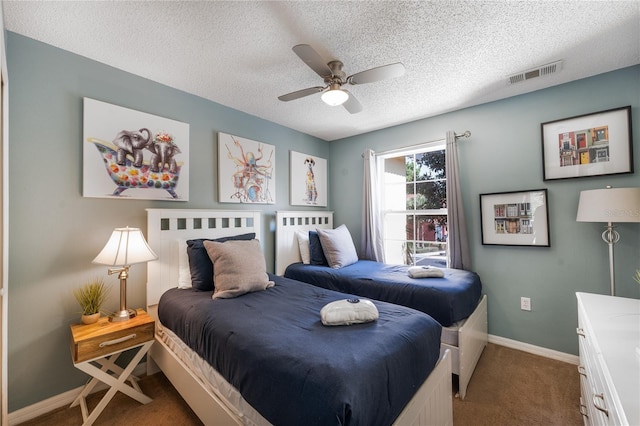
x: 129, y: 154
x: 308, y: 184
x: 246, y: 170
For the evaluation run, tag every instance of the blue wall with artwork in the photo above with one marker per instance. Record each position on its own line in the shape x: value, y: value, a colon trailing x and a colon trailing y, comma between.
x: 504, y: 154
x: 55, y: 232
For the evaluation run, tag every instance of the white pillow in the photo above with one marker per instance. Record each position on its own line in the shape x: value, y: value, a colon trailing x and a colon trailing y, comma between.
x: 303, y: 244
x: 348, y: 311
x: 425, y: 272
x: 338, y: 247
x: 184, y: 272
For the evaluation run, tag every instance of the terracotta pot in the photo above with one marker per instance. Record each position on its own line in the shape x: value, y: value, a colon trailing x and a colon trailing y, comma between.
x: 90, y: 319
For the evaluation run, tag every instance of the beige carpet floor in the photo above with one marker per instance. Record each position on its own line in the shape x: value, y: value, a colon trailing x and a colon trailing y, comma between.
x: 509, y: 387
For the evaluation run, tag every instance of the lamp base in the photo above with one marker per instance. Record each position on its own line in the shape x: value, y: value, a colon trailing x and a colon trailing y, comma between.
x: 123, y: 315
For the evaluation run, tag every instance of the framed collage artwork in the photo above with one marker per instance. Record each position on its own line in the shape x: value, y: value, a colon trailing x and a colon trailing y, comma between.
x: 519, y: 218
x: 594, y: 144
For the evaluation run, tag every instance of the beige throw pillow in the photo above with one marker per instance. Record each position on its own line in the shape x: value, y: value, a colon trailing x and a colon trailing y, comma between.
x: 338, y: 246
x: 239, y: 267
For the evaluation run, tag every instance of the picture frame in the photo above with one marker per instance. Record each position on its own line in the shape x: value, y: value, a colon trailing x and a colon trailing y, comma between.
x: 586, y: 145
x: 517, y: 218
x: 246, y: 170
x: 133, y: 155
x: 308, y: 180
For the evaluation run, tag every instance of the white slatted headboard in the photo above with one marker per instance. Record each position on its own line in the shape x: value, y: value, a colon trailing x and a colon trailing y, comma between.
x: 166, y: 228
x: 287, y: 223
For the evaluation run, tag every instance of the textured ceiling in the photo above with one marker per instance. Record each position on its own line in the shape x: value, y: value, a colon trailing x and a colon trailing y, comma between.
x: 456, y: 53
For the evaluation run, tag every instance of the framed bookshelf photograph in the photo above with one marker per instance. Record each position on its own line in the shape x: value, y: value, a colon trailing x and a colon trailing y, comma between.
x: 519, y: 218
x: 594, y: 144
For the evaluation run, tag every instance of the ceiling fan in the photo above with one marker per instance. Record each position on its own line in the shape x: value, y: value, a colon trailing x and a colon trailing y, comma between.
x: 334, y: 78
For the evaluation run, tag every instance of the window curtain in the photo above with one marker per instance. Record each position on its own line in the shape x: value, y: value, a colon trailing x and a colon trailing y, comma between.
x: 371, y: 241
x: 458, y: 256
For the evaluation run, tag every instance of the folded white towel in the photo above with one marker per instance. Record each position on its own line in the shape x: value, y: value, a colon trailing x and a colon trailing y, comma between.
x: 425, y: 272
x: 348, y: 311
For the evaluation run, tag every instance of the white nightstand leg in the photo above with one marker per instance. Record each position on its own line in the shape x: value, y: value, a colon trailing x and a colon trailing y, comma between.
x: 107, y: 364
x: 116, y: 382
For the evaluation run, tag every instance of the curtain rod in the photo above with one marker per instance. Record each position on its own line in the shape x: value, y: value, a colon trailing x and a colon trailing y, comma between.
x: 466, y: 134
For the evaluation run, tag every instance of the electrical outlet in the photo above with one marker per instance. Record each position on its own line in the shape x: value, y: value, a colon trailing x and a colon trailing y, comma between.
x: 525, y: 303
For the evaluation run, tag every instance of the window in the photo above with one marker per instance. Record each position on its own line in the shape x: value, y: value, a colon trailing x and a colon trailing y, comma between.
x: 414, y: 205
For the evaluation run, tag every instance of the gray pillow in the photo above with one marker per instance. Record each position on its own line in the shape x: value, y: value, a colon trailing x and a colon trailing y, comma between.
x: 338, y: 247
x: 238, y: 268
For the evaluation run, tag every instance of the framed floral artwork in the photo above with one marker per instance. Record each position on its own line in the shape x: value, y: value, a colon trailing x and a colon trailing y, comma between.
x: 246, y: 170
x: 129, y: 154
x: 308, y: 180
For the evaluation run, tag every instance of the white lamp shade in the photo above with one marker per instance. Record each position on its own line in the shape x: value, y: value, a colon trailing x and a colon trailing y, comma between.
x: 335, y: 97
x: 609, y: 205
x: 126, y: 246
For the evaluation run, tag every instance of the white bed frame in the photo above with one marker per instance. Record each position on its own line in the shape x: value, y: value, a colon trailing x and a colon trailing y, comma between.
x: 472, y: 334
x: 432, y: 404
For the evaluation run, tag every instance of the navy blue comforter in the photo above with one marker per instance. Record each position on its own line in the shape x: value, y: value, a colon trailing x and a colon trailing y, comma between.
x: 447, y: 299
x: 272, y: 346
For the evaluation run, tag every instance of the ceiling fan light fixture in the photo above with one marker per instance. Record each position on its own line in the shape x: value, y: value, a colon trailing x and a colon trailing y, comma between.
x: 334, y: 78
x: 335, y: 97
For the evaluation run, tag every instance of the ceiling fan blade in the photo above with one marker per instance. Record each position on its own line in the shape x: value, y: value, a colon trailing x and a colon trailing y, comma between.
x: 352, y: 104
x: 300, y: 93
x: 313, y: 59
x: 377, y: 74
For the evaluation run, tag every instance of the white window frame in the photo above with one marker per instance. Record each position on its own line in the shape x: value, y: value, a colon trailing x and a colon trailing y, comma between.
x: 395, y: 247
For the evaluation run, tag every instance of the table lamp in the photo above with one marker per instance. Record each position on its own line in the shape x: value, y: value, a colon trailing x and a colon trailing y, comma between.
x: 609, y: 205
x: 125, y: 247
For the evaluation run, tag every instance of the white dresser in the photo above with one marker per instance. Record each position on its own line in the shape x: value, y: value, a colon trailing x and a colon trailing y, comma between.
x: 609, y: 338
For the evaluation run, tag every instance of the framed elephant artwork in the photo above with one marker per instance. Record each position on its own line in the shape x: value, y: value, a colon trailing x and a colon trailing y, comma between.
x: 308, y: 183
x: 129, y: 154
x: 246, y: 170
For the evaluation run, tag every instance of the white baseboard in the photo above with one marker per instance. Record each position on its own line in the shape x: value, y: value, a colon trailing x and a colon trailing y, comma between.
x: 533, y: 349
x: 55, y: 402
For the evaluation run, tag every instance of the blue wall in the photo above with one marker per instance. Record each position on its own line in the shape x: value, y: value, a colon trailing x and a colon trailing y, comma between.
x: 55, y: 232
x: 504, y: 154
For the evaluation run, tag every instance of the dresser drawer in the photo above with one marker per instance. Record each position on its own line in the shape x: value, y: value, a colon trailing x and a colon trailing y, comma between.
x: 603, y: 349
x: 590, y: 382
x: 104, y: 337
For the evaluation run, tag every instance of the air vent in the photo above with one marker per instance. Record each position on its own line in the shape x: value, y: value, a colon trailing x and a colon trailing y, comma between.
x: 547, y: 69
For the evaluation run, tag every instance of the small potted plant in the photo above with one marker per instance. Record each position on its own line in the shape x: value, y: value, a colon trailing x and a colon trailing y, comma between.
x: 91, y: 297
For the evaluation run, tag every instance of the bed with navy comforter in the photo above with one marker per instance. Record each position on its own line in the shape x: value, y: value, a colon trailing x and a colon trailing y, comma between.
x: 272, y: 346
x: 449, y: 299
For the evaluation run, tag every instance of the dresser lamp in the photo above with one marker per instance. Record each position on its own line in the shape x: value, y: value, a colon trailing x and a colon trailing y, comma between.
x: 609, y: 205
x: 125, y: 247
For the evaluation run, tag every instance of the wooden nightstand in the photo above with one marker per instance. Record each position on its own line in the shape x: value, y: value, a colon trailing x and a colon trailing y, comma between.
x: 95, y: 349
